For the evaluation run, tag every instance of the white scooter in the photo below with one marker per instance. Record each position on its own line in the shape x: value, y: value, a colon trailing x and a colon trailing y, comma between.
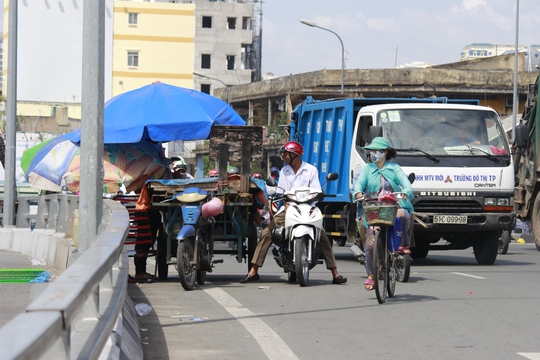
x: 297, y: 243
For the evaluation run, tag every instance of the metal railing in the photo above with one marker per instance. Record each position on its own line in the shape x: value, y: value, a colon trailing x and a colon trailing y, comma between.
x: 74, y: 316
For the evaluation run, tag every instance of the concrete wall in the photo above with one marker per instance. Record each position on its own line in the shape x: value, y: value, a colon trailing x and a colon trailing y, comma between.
x: 39, y: 244
x: 503, y: 62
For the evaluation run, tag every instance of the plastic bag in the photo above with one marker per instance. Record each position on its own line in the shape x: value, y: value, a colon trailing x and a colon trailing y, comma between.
x: 143, y: 309
x: 42, y: 278
x: 386, y: 195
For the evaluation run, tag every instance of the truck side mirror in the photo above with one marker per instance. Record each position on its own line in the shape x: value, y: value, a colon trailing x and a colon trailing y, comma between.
x: 522, y: 136
x: 412, y: 176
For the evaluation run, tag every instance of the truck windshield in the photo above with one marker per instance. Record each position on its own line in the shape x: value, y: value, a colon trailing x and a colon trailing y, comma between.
x: 444, y: 132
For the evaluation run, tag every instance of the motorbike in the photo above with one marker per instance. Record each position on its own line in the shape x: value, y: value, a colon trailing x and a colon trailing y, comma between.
x: 296, y: 243
x: 195, y: 249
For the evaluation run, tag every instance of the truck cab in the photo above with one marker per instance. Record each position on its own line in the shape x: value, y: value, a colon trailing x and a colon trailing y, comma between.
x: 463, y: 170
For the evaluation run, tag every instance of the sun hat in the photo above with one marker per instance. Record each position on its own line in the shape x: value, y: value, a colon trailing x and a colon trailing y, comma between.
x: 379, y: 143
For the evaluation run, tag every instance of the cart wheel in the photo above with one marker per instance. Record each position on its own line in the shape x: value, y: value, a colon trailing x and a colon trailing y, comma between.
x: 161, y: 260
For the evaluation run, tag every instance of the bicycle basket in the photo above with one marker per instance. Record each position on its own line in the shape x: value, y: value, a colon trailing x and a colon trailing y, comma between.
x: 380, y: 213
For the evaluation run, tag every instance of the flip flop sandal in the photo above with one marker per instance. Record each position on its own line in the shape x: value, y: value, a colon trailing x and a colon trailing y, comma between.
x: 369, y: 282
x: 403, y: 250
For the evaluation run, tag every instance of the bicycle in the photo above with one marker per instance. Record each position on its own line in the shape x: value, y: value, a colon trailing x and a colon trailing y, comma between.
x: 389, y: 264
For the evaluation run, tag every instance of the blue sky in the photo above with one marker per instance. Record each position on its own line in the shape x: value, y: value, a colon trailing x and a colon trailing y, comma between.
x: 432, y: 31
x: 374, y: 31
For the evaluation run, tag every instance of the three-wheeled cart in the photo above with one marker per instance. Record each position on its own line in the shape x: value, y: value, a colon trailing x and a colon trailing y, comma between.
x: 234, y: 231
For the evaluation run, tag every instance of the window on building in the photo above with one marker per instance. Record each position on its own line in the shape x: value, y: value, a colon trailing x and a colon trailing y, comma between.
x: 205, y: 88
x: 133, y: 19
x: 207, y: 22
x: 205, y: 61
x: 246, y: 23
x: 231, y: 23
x: 133, y: 58
x: 230, y: 62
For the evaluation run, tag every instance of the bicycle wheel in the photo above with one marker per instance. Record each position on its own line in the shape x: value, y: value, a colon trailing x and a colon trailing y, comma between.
x: 391, y: 283
x: 403, y: 267
x: 380, y: 269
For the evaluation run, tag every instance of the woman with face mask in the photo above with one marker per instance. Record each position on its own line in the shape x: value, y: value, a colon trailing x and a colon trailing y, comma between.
x: 384, y: 174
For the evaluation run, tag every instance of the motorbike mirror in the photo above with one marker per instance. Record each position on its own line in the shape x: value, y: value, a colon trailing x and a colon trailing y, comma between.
x: 270, y: 181
x: 411, y: 177
x: 332, y: 176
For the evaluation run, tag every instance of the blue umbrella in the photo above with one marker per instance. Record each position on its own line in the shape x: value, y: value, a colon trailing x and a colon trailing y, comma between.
x: 163, y: 113
x: 47, y: 164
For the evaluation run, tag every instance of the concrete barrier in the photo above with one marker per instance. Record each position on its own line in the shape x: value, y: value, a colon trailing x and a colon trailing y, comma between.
x: 84, y: 312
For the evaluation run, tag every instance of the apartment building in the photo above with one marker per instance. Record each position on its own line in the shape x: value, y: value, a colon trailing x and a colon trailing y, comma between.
x: 152, y: 41
x: 224, y: 49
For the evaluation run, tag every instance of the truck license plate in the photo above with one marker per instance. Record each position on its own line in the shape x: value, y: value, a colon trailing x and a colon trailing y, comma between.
x: 449, y: 219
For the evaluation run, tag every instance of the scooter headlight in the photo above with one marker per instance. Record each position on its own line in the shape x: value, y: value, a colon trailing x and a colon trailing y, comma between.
x: 302, y: 195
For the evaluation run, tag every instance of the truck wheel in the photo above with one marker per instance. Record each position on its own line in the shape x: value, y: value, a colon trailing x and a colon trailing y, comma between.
x: 536, y: 222
x: 419, y: 252
x: 486, y: 248
x: 504, y: 241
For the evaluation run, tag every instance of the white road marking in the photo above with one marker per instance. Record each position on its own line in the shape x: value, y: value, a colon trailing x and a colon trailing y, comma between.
x: 468, y: 275
x: 531, y: 356
x: 273, y: 346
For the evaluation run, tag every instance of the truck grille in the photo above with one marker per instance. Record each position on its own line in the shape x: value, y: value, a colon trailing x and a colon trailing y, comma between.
x: 446, y: 205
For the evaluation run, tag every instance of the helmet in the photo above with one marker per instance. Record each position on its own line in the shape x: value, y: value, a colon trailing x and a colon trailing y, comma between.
x: 213, y: 173
x: 257, y: 176
x: 293, y: 147
x: 180, y: 165
x: 233, y: 170
x: 274, y: 169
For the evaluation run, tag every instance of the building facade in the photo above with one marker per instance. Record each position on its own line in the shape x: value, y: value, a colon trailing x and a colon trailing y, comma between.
x: 223, y: 44
x: 152, y: 41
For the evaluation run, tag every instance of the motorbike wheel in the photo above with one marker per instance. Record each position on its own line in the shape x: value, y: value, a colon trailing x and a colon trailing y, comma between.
x: 403, y: 267
x: 301, y: 261
x: 380, y: 269
x: 504, y: 241
x: 391, y: 283
x: 292, y: 277
x: 201, y: 277
x: 184, y: 256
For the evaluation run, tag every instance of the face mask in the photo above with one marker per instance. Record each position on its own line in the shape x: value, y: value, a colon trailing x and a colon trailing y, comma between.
x: 377, y: 156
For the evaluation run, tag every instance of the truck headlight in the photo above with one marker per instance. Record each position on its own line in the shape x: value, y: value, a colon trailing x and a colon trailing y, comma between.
x: 490, y: 201
x: 503, y: 201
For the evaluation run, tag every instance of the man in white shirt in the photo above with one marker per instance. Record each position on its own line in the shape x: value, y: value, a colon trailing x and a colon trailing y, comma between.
x: 296, y: 173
